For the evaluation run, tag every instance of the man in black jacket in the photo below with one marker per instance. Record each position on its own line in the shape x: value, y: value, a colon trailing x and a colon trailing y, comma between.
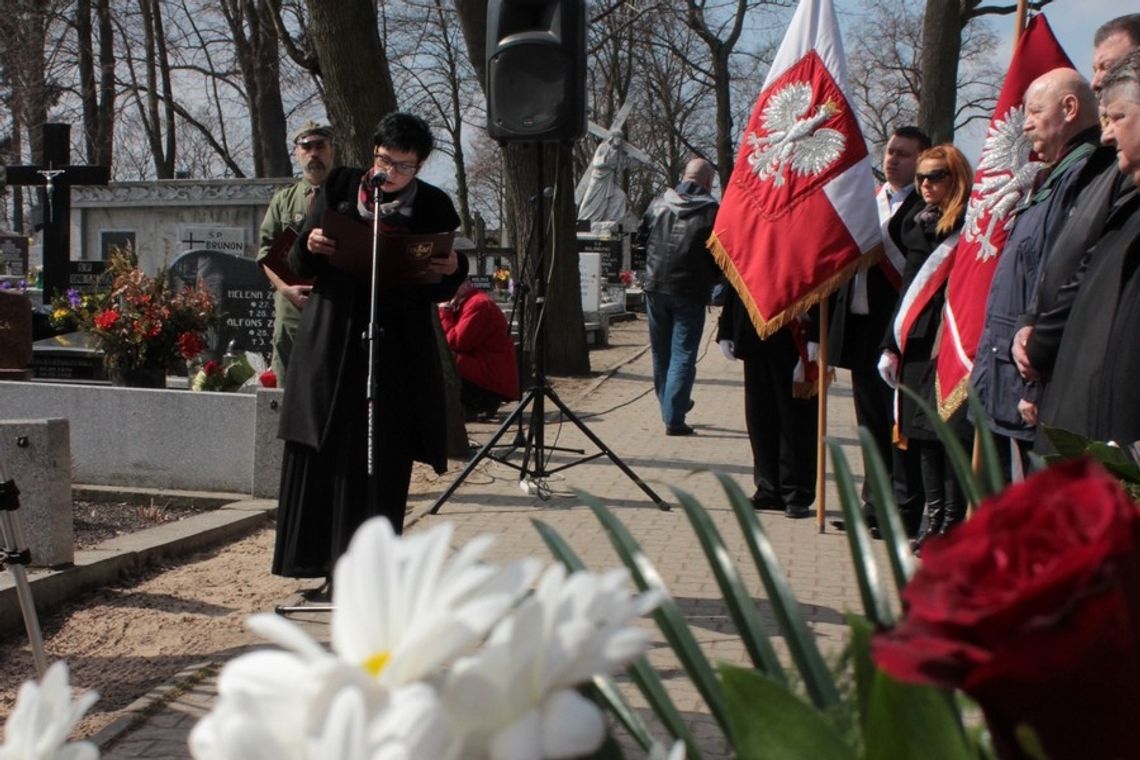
x: 679, y: 275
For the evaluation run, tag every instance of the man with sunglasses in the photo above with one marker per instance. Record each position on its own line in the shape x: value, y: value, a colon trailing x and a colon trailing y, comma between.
x: 314, y: 150
x: 324, y: 494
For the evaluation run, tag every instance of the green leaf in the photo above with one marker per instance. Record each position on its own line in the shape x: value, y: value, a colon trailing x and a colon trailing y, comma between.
x: 789, y: 617
x: 1068, y: 445
x: 1115, y: 461
x: 640, y: 671
x: 906, y: 720
x: 994, y: 480
x: 861, y: 631
x: 876, y: 603
x: 667, y: 615
x: 736, y: 596
x: 768, y: 722
x: 886, y: 510
x: 963, y: 469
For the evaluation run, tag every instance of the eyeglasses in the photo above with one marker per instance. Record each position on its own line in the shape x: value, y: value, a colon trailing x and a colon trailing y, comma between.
x: 933, y: 177
x: 399, y: 167
x: 311, y: 145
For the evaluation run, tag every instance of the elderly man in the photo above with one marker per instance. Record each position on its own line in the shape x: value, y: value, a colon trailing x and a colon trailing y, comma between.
x: 1093, y: 389
x: 1061, y: 121
x: 314, y: 150
x: 1042, y: 325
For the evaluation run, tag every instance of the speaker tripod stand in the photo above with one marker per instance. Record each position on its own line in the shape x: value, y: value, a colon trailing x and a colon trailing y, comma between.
x: 14, y: 553
x: 536, y: 460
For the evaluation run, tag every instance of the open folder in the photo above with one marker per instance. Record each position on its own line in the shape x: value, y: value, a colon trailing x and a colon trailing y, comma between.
x: 404, y: 256
x: 277, y: 259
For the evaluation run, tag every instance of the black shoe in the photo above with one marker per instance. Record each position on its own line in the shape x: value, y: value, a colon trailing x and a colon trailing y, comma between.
x: 681, y: 429
x: 761, y: 502
x: 322, y: 593
x: 797, y: 511
x: 692, y: 403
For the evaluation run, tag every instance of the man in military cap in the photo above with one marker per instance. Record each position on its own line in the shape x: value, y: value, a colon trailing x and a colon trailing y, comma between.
x: 315, y: 152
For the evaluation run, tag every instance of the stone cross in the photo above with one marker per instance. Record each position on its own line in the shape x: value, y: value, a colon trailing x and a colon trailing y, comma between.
x: 56, y: 176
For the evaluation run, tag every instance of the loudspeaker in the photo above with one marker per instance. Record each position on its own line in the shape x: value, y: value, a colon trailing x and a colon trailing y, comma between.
x: 536, y: 70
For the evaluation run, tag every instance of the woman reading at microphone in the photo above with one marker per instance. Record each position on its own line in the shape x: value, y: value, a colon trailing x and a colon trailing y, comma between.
x: 324, y: 476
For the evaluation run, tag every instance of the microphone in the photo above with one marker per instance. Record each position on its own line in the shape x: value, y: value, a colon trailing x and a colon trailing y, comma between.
x: 377, y: 179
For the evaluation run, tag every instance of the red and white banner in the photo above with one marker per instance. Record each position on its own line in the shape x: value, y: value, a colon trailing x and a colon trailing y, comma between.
x: 1004, y: 179
x: 798, y: 216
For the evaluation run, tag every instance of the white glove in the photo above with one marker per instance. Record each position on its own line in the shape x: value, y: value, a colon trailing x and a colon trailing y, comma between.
x: 889, y: 368
x: 813, y: 351
x: 726, y: 349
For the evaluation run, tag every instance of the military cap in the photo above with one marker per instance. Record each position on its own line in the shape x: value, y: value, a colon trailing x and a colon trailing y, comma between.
x: 311, y: 128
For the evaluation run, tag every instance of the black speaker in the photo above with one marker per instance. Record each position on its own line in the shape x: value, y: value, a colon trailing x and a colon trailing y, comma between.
x: 536, y: 70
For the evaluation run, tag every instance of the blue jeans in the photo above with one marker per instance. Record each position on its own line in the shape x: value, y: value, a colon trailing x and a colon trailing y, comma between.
x: 675, y: 327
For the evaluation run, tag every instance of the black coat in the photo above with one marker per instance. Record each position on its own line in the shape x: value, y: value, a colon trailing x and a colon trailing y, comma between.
x: 1093, y: 388
x: 917, y: 364
x: 328, y: 369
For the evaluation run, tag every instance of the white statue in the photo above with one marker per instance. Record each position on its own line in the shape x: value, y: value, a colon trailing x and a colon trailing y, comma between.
x: 599, y: 193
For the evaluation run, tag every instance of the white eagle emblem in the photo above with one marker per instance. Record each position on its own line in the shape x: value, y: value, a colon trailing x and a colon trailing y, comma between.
x: 1007, y: 177
x: 794, y: 139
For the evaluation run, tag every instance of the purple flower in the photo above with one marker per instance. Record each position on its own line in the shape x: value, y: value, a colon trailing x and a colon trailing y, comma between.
x: 73, y: 298
x: 5, y: 285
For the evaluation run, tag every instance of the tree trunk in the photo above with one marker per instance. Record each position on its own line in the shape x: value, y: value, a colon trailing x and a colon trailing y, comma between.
x: 358, y: 83
x: 941, y: 46
x: 724, y: 144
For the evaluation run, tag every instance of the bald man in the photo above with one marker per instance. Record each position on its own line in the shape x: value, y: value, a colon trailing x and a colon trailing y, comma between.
x: 1061, y: 121
x: 679, y: 275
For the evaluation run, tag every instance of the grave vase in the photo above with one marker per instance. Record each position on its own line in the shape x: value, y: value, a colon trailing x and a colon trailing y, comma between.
x: 138, y: 377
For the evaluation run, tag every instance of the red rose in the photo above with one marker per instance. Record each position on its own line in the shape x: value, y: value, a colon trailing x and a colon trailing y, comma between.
x: 211, y: 367
x: 1033, y: 608
x: 105, y: 320
x: 190, y: 344
x: 268, y: 379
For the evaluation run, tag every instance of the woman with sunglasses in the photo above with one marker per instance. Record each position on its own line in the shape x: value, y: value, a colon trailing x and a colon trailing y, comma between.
x: 324, y: 495
x: 926, y: 235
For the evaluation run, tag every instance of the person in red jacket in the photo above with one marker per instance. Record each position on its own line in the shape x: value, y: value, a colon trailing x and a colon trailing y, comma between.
x: 478, y: 335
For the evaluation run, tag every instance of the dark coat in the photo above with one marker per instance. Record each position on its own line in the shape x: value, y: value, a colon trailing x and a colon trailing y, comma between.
x: 996, y: 379
x: 917, y: 364
x: 675, y: 228
x: 328, y: 370
x: 847, y: 349
x: 1061, y: 275
x: 1093, y: 388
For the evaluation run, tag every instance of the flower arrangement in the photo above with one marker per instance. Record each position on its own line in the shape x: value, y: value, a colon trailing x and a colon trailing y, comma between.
x: 139, y: 321
x: 626, y: 277
x: 501, y: 278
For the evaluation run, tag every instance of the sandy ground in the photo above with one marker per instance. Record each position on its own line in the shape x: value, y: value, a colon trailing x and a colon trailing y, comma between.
x: 126, y: 639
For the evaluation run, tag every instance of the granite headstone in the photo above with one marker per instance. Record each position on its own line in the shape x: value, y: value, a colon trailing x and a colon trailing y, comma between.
x: 15, y: 335
x: 244, y: 296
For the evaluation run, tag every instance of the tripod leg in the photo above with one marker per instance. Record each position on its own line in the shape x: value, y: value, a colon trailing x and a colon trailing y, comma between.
x: 15, y: 558
x: 484, y: 452
x: 549, y: 392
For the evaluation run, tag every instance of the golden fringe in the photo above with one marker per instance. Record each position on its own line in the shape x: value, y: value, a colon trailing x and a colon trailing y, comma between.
x: 766, y: 327
x: 811, y: 390
x: 954, y: 401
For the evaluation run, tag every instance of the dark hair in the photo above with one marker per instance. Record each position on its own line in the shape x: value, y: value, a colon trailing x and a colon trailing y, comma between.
x: 404, y: 132
x: 1129, y: 25
x: 913, y: 133
x: 1125, y: 72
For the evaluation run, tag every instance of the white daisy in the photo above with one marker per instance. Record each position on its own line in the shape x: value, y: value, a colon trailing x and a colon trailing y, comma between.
x: 42, y: 719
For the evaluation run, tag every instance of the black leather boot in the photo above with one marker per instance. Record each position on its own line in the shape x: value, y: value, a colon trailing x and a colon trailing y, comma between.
x: 955, y: 513
x: 935, y: 518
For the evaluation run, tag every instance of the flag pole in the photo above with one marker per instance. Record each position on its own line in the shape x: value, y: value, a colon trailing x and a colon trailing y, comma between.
x: 1019, y: 22
x: 821, y: 428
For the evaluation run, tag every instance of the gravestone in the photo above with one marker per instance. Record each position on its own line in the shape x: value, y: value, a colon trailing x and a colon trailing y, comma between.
x: 71, y: 358
x: 614, y: 252
x: 590, y: 277
x: 86, y: 276
x: 14, y: 255
x: 15, y: 335
x: 243, y: 294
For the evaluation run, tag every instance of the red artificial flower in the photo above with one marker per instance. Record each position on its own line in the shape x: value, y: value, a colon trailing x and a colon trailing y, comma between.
x: 211, y: 367
x: 1033, y: 608
x: 268, y: 379
x: 190, y: 344
x: 105, y: 320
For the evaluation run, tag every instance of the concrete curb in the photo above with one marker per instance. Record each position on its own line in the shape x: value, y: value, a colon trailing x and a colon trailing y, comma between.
x: 144, y: 706
x: 112, y: 559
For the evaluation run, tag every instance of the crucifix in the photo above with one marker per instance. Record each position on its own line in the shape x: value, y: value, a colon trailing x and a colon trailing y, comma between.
x: 56, y: 177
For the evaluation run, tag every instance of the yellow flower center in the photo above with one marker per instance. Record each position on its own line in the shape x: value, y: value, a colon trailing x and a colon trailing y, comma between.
x: 375, y: 664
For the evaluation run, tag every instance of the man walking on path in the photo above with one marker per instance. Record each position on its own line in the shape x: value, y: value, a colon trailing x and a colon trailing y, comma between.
x: 679, y: 275
x: 314, y: 151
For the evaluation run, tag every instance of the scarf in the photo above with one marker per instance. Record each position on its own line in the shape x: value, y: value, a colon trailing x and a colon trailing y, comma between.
x: 399, y: 204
